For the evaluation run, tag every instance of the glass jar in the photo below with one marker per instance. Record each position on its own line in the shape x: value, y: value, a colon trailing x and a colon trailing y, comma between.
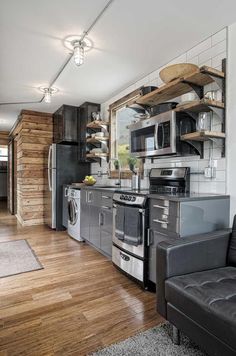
x: 204, y: 121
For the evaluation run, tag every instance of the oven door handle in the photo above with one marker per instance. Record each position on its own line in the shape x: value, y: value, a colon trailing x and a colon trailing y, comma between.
x: 149, y: 237
x: 156, y: 136
x: 142, y: 212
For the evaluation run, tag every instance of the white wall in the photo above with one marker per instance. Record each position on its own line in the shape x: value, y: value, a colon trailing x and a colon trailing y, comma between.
x: 231, y: 118
x: 209, y: 52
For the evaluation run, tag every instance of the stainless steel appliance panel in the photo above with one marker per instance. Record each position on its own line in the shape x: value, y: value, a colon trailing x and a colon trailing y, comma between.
x: 135, y: 250
x: 129, y: 264
x: 155, y: 136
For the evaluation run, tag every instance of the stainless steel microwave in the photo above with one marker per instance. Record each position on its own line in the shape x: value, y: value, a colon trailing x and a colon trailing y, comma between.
x: 160, y: 135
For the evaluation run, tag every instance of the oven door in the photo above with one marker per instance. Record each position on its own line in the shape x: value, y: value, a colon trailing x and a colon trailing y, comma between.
x: 139, y: 250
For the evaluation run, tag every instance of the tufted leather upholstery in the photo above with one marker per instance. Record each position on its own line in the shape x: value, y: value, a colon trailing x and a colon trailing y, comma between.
x: 208, y: 298
x: 232, y: 246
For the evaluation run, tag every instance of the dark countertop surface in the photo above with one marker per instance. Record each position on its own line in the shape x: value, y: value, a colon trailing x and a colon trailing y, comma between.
x: 183, y: 197
x: 188, y: 196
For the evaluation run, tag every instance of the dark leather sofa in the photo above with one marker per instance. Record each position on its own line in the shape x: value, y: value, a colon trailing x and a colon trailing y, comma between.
x: 196, y: 289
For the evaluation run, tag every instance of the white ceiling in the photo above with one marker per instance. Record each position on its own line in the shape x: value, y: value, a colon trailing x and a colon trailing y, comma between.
x: 132, y: 38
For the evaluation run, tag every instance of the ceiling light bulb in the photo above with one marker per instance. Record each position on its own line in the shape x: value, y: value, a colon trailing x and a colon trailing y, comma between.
x: 48, y: 92
x: 47, y: 97
x: 79, y: 53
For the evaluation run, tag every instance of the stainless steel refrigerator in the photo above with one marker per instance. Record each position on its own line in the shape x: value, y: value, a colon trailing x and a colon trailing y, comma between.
x: 62, y: 168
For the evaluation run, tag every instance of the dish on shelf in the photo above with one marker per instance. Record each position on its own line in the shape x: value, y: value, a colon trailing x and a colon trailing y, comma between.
x: 96, y: 150
x: 99, y: 134
x: 176, y: 71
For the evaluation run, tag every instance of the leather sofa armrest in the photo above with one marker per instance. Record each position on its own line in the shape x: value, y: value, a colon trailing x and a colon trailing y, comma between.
x: 187, y: 255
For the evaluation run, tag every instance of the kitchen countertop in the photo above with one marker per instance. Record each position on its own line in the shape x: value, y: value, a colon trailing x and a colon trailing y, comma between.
x: 183, y: 197
x: 188, y: 196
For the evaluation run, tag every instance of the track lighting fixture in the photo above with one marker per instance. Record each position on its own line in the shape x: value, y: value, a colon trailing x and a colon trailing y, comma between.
x: 48, y: 92
x: 79, y: 52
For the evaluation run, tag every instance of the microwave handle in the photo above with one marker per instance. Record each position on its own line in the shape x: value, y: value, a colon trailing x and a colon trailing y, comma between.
x: 155, y: 136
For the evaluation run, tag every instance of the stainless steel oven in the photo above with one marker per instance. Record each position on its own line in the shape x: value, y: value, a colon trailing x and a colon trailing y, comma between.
x: 160, y: 135
x: 130, y: 255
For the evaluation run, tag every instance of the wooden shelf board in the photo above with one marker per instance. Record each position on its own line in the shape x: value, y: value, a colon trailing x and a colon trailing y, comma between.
x: 200, y: 105
x: 180, y: 86
x: 97, y: 124
x: 203, y: 136
x: 96, y: 155
x: 97, y: 139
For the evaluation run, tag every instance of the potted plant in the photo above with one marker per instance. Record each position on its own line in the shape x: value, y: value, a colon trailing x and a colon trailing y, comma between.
x: 116, y: 164
x: 132, y: 163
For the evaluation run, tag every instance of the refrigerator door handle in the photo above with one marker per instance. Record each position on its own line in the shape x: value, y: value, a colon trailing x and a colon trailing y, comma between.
x: 49, y: 169
x: 50, y: 158
x: 50, y: 180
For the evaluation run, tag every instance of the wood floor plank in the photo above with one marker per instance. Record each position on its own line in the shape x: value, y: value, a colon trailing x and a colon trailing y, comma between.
x: 77, y: 304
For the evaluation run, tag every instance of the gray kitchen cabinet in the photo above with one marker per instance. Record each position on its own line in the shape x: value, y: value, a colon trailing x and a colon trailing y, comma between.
x: 106, y: 229
x: 94, y: 226
x: 176, y: 219
x: 84, y: 215
x: 96, y: 219
x: 65, y: 206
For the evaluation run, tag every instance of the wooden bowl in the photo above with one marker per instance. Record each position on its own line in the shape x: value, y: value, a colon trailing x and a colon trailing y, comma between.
x: 176, y: 71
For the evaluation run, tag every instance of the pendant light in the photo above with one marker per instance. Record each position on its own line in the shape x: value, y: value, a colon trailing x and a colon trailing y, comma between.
x: 79, y: 52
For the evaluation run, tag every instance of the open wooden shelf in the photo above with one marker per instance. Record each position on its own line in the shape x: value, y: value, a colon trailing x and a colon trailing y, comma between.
x: 97, y: 139
x: 200, y: 105
x: 97, y: 155
x: 97, y: 124
x: 203, y: 136
x: 201, y: 77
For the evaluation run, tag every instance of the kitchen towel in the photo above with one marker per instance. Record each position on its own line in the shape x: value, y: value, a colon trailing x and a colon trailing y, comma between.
x: 133, y: 226
x: 119, y: 221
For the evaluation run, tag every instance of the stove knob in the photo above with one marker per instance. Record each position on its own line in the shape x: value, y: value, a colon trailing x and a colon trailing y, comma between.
x: 126, y: 197
x: 122, y: 197
x: 129, y: 198
x: 133, y: 198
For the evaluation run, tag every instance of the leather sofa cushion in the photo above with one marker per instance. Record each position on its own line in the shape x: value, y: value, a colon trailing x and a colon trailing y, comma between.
x: 232, y: 246
x: 209, y: 298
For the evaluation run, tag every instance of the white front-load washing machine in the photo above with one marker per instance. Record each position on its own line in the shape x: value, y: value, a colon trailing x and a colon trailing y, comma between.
x: 73, y: 228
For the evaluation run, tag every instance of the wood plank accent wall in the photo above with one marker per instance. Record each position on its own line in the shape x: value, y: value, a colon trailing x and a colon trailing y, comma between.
x: 4, y: 137
x: 34, y: 134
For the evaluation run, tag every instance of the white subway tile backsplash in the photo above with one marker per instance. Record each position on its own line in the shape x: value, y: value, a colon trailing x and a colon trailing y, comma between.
x: 217, y: 60
x: 218, y: 37
x: 209, y: 52
x: 212, y: 52
x: 202, y: 46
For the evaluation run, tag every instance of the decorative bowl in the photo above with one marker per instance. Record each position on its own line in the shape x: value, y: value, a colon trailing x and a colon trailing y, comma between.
x: 86, y: 182
x: 176, y: 71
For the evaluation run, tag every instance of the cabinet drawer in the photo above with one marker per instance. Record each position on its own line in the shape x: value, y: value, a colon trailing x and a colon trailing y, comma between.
x: 129, y: 264
x: 169, y: 223
x: 106, y: 199
x: 164, y: 206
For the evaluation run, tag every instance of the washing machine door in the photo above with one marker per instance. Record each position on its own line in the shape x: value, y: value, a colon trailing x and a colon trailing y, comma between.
x: 72, y: 211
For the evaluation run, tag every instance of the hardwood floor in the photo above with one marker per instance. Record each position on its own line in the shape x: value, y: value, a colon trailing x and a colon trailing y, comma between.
x: 78, y: 303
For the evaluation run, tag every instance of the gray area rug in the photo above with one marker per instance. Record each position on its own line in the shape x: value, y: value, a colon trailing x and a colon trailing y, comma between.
x: 17, y: 257
x: 153, y: 342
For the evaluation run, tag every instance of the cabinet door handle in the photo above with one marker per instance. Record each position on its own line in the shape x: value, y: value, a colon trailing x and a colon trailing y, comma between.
x: 160, y: 221
x: 99, y: 219
x: 66, y: 192
x: 105, y: 207
x: 105, y: 197
x: 160, y: 206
